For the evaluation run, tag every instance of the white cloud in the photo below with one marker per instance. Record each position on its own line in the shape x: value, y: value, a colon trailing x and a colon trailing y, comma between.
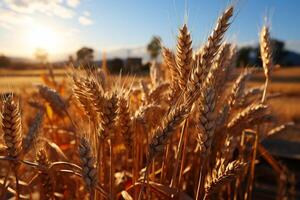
x: 10, y: 19
x: 73, y: 3
x: 50, y: 7
x: 85, y: 21
x: 86, y: 13
x: 293, y: 45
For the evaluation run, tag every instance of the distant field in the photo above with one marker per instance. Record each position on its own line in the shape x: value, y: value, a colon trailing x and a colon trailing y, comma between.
x: 285, y: 82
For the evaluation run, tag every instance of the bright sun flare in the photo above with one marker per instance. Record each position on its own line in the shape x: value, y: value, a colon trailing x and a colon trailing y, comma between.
x: 42, y: 37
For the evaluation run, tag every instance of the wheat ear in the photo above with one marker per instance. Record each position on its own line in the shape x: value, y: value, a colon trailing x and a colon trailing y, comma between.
x: 248, y: 95
x: 169, y: 59
x: 32, y: 134
x: 124, y: 121
x: 244, y: 118
x: 12, y: 127
x: 266, y: 55
x: 54, y: 99
x: 156, y: 94
x: 184, y: 55
x: 108, y: 115
x: 81, y: 93
x: 204, y: 58
x: 238, y: 89
x: 161, y: 134
x: 95, y: 94
x: 223, y: 175
x: 280, y: 128
x: 214, y: 40
x: 47, y: 190
x: 207, y: 117
x: 88, y: 163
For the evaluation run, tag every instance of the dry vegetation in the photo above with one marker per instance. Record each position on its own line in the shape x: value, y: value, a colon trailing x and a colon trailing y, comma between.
x: 190, y: 133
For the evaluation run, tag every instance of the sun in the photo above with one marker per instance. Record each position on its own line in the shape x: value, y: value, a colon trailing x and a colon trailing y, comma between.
x: 43, y: 37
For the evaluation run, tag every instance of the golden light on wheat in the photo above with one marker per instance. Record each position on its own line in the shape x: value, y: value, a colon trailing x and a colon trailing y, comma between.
x: 191, y: 133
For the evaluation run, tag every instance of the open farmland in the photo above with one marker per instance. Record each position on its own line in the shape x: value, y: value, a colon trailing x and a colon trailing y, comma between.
x: 284, y: 86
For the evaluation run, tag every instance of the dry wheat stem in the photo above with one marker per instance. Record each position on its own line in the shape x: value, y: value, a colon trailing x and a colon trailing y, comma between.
x: 248, y: 194
x: 179, y: 153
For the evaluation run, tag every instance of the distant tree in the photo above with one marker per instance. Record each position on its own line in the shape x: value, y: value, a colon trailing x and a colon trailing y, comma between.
x: 251, y: 55
x: 278, y: 50
x: 70, y: 59
x: 4, y: 61
x: 85, y: 56
x: 41, y: 55
x: 243, y: 57
x: 115, y: 65
x: 154, y: 47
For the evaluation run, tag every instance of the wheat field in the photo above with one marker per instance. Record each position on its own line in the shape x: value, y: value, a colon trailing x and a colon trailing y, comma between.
x: 192, y: 132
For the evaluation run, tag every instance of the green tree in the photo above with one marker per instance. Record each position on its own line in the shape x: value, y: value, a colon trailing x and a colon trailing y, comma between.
x: 85, y: 56
x: 243, y: 56
x: 4, y: 61
x: 154, y: 47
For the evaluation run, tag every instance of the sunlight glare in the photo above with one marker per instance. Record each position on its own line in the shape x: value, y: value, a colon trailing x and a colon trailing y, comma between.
x: 42, y: 37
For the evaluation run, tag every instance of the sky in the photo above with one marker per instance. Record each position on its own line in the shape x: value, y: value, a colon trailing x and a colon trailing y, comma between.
x: 63, y: 26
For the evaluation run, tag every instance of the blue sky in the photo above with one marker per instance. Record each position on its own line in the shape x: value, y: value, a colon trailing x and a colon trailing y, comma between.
x: 63, y: 26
